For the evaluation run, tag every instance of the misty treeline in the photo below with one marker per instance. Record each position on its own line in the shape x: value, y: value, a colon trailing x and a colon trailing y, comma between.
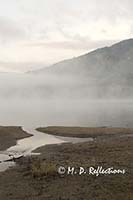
x: 100, y: 74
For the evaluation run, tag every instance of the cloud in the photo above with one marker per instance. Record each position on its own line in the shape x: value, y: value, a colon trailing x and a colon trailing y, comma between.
x: 49, y: 31
x: 82, y: 44
x: 10, y: 31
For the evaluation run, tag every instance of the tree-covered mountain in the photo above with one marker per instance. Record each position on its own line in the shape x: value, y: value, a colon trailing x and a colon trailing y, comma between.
x: 115, y: 62
x: 104, y: 72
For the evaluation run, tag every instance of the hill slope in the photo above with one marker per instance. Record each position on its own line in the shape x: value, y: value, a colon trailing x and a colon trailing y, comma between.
x: 109, y: 60
x: 104, y: 72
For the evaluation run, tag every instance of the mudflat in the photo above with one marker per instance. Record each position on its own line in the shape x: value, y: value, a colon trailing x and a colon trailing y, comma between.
x: 83, y: 132
x: 9, y: 136
x: 37, y: 178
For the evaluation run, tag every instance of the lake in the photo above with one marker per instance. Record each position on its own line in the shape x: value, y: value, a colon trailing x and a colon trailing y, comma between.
x: 28, y: 100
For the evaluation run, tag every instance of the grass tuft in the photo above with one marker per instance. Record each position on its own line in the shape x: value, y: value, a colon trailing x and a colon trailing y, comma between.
x: 41, y: 168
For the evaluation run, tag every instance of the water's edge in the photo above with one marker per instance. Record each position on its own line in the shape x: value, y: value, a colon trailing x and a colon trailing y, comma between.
x: 26, y: 146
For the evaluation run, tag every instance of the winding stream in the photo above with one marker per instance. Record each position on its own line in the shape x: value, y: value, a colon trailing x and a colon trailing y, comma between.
x: 25, y: 146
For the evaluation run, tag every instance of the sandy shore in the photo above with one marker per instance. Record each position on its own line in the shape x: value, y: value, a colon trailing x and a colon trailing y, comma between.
x: 10, y: 135
x: 36, y: 178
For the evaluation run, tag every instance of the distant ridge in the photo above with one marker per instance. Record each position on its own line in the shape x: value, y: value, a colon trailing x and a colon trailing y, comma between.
x: 117, y: 58
x: 105, y: 72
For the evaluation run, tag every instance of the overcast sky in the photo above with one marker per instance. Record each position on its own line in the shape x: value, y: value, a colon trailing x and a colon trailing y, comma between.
x: 36, y: 32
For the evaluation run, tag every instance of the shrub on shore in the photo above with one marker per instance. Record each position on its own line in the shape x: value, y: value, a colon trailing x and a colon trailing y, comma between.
x: 41, y: 168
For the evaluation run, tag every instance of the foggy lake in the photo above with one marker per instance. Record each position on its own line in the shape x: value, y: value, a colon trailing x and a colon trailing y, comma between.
x: 24, y: 102
x: 32, y: 101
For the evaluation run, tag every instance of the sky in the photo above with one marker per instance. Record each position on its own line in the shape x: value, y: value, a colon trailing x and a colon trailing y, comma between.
x: 37, y: 33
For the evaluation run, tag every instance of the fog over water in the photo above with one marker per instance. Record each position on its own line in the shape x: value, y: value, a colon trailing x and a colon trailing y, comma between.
x: 34, y: 100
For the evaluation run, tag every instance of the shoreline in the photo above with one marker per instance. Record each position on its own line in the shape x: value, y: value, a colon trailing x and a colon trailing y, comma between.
x: 85, y: 132
x: 38, y: 176
x: 9, y: 136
